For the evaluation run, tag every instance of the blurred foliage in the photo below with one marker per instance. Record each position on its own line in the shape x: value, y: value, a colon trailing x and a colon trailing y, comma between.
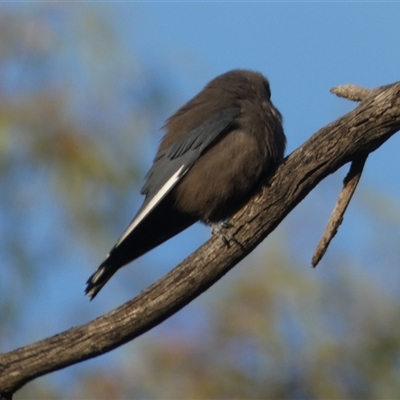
x: 75, y: 102
x: 73, y: 109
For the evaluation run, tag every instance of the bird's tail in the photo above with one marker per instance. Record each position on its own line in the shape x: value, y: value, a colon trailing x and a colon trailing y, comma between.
x: 100, y: 278
x: 160, y: 225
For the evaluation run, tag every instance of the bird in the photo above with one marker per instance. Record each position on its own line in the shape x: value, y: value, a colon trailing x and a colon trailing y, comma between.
x: 216, y: 149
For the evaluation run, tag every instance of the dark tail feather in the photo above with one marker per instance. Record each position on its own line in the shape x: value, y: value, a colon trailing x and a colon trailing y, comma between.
x: 99, y: 278
x: 160, y: 225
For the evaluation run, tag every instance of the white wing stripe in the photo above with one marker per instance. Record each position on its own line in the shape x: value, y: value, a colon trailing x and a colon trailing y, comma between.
x: 152, y: 203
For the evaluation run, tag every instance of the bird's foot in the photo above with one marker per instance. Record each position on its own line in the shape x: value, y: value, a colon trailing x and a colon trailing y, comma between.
x: 220, y: 230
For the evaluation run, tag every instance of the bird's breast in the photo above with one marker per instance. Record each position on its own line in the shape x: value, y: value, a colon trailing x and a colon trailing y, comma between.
x: 221, y: 180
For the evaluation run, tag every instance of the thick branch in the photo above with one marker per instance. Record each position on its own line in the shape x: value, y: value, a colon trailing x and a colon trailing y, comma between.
x: 356, y: 134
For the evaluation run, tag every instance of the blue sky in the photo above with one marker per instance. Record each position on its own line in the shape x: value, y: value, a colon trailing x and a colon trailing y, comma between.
x: 304, y: 48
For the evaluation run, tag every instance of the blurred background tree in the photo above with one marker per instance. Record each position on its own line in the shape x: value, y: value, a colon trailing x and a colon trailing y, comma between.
x: 81, y: 103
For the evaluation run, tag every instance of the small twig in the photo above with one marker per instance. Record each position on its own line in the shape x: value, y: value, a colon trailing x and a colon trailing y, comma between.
x: 351, y: 92
x: 349, y: 186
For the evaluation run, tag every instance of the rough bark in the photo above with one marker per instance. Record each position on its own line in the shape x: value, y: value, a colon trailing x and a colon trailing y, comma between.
x: 349, y: 187
x: 351, y: 137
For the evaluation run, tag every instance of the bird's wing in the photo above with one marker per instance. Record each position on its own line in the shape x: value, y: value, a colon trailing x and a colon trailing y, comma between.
x: 171, y: 164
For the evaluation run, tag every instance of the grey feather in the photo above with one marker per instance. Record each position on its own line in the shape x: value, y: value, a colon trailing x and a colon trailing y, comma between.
x: 186, y: 151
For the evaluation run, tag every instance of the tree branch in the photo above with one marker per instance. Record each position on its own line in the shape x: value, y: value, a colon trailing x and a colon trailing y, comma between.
x: 352, y: 92
x: 353, y: 136
x: 349, y: 187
